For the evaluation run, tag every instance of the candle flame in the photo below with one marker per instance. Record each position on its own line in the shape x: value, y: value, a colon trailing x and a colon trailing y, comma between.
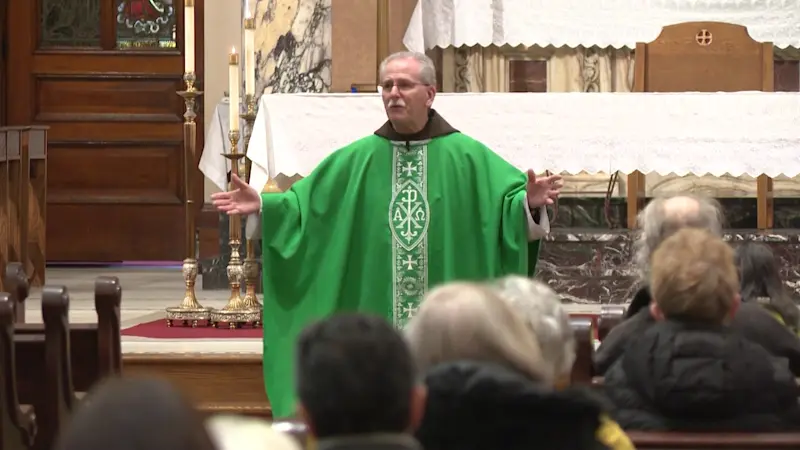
x: 247, y: 15
x: 233, y: 50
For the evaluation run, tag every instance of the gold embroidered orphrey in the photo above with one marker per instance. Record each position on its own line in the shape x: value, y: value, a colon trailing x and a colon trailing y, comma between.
x: 409, y: 217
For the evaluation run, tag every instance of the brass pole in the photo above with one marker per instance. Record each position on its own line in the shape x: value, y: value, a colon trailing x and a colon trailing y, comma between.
x: 190, y: 310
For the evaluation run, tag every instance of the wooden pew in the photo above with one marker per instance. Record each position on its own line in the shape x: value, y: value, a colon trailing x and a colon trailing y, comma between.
x: 727, y: 441
x: 16, y: 283
x: 583, y: 368
x: 96, y: 347
x: 17, y: 424
x: 610, y: 316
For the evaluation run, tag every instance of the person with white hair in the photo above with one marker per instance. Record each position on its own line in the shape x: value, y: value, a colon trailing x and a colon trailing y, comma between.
x: 660, y: 219
x: 415, y: 204
x: 491, y: 385
x: 541, y: 308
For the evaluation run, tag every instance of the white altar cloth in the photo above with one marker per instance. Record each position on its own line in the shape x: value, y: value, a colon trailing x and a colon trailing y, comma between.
x: 602, y: 23
x: 737, y: 133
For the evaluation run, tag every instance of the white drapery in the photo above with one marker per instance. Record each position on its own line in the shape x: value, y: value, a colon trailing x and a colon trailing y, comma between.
x: 682, y: 133
x: 601, y: 23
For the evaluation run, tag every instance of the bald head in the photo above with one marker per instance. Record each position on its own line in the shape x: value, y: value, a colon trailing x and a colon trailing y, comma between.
x: 664, y: 216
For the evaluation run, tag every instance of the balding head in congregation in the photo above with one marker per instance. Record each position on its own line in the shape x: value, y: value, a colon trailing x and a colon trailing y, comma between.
x: 663, y: 217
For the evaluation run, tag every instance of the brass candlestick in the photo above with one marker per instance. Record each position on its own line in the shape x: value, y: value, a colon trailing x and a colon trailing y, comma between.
x: 235, y: 312
x: 190, y: 310
x: 251, y: 271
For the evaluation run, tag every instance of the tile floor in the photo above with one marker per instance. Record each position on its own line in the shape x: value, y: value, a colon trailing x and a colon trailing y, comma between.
x: 145, y: 294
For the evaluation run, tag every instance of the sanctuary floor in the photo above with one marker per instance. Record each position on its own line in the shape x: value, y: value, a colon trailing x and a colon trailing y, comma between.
x: 146, y: 291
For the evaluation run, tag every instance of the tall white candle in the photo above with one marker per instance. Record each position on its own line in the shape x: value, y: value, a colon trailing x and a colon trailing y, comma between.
x: 233, y: 88
x: 249, y: 55
x: 188, y: 36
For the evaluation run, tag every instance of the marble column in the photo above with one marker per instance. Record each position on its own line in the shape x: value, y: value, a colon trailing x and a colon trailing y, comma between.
x: 293, y: 54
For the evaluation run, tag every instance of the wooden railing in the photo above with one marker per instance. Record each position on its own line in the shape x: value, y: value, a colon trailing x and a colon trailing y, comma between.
x: 23, y: 199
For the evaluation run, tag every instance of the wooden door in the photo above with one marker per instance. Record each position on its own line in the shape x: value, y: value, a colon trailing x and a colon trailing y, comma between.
x: 103, y: 75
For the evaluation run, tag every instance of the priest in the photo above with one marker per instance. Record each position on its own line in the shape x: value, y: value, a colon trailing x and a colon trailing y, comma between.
x: 384, y: 219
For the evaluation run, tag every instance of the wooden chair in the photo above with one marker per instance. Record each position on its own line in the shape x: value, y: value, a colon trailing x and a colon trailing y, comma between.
x: 582, y: 369
x: 703, y: 57
x: 728, y: 441
x: 17, y: 421
x: 610, y: 316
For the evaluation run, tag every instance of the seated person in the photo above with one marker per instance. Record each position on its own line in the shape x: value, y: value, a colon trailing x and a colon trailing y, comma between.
x: 690, y: 371
x: 660, y: 219
x: 541, y: 308
x: 761, y: 283
x: 489, y: 387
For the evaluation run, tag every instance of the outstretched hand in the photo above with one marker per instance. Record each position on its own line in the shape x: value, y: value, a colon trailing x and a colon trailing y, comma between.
x: 543, y: 190
x: 242, y: 200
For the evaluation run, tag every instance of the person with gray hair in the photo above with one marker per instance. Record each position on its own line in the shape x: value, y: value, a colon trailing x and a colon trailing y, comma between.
x: 540, y: 307
x: 415, y: 204
x: 659, y: 220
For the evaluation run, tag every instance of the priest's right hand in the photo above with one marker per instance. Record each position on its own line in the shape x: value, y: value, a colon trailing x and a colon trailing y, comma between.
x: 242, y: 200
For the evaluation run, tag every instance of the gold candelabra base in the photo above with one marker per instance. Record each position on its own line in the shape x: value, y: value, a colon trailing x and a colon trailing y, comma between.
x: 238, y: 311
x: 190, y: 310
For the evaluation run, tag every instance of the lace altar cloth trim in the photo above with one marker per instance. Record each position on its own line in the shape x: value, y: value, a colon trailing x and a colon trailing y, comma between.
x: 602, y: 23
x: 736, y: 133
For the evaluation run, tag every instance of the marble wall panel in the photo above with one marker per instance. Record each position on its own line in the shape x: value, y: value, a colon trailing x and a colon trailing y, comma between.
x: 293, y: 45
x: 595, y: 267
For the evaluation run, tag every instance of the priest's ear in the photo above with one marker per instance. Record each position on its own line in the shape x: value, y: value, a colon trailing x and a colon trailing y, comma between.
x: 431, y: 92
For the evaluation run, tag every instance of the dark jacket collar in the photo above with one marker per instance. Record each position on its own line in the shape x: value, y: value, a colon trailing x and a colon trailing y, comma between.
x: 377, y: 441
x: 436, y: 127
x: 641, y: 300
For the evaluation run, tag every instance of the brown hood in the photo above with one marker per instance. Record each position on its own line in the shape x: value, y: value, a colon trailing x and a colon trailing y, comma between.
x: 436, y: 127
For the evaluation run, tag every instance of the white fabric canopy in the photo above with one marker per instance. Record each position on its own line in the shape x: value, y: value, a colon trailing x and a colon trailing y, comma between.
x: 737, y: 133
x: 603, y: 23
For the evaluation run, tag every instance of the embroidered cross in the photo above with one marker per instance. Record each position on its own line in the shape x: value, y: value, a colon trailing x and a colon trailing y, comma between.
x: 409, y: 169
x: 410, y: 262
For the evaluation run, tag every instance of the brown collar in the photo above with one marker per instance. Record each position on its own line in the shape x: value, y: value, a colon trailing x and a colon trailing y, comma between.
x: 435, y: 127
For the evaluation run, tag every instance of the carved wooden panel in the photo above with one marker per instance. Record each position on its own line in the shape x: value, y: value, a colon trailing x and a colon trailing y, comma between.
x: 117, y: 98
x: 88, y: 173
x: 787, y: 76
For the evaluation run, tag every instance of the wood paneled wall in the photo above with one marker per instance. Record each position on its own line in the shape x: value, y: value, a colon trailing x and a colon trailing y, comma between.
x: 354, y: 39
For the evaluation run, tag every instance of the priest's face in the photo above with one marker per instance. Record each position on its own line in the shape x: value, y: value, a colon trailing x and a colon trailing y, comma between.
x: 406, y: 98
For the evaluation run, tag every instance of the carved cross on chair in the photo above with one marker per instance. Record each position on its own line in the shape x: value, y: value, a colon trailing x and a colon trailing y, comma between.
x: 704, y: 38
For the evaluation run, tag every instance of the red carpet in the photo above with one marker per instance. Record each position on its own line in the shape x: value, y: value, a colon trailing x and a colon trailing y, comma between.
x: 158, y: 329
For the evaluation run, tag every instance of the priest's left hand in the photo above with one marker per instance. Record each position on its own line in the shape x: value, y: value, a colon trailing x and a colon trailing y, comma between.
x: 543, y: 190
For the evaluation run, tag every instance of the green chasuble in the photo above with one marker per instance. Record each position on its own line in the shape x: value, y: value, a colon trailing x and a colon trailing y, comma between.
x: 378, y: 224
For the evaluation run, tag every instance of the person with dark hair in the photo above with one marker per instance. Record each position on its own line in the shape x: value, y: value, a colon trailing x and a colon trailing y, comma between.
x: 762, y: 283
x: 135, y: 414
x: 357, y: 385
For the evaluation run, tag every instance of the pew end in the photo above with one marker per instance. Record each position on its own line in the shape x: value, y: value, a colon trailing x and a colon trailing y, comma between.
x: 18, y: 421
x: 610, y: 316
x: 583, y: 368
x: 16, y: 281
x: 107, y: 301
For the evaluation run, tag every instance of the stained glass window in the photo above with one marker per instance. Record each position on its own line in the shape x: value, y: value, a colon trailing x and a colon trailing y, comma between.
x: 145, y: 24
x: 74, y: 23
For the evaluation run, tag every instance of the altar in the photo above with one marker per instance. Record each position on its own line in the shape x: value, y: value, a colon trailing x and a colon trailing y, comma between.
x: 664, y: 133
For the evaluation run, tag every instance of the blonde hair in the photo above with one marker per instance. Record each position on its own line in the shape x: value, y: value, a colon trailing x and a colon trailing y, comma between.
x: 693, y: 276
x: 541, y: 308
x: 466, y: 321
